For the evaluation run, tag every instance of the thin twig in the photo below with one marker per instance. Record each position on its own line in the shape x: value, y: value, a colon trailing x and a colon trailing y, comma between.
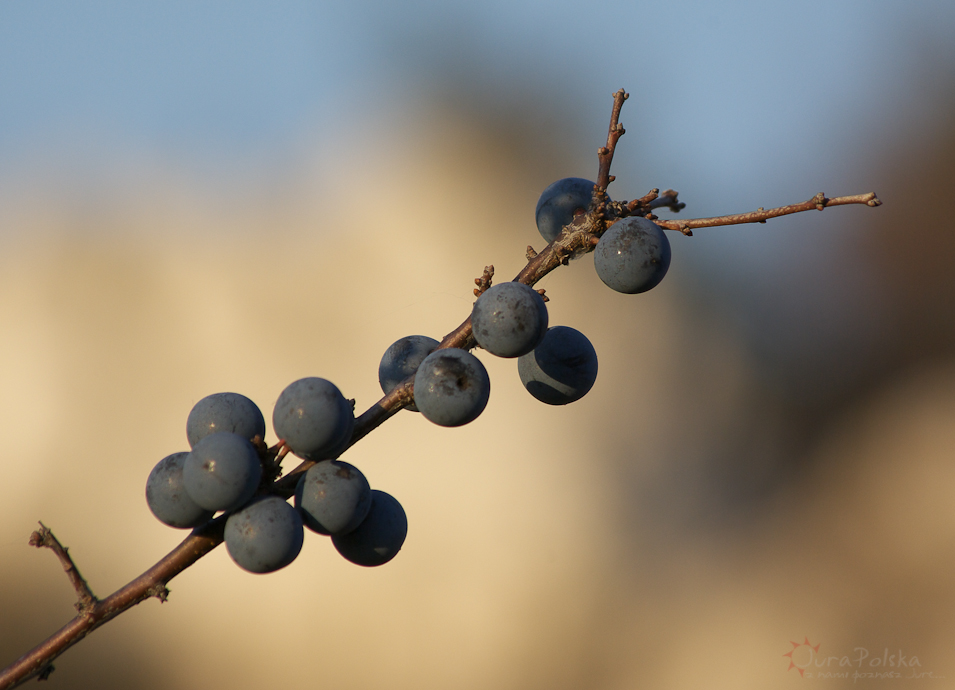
x: 43, y: 537
x: 484, y: 282
x: 667, y: 200
x: 761, y: 215
x: 605, y: 153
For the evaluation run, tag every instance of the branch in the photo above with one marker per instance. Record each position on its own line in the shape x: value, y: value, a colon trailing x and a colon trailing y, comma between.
x: 667, y: 200
x: 484, y: 282
x: 43, y: 537
x: 577, y: 238
x: 152, y: 583
x: 761, y: 215
x: 605, y: 153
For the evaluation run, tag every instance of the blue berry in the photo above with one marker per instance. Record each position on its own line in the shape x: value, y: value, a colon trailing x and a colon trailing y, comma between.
x: 559, y: 203
x: 167, y: 497
x: 509, y: 319
x: 313, y: 418
x: 343, y: 440
x: 333, y: 497
x: 451, y: 387
x: 222, y: 472
x: 380, y: 535
x: 224, y: 412
x: 401, y: 360
x: 561, y: 369
x: 633, y: 255
x: 264, y: 536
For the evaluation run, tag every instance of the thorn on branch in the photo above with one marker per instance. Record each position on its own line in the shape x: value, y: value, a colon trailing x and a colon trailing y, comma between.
x: 530, y: 254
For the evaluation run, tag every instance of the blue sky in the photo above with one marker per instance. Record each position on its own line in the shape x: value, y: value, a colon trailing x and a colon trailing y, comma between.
x: 725, y: 98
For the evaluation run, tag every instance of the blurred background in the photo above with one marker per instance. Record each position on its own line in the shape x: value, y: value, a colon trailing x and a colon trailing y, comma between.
x: 207, y: 197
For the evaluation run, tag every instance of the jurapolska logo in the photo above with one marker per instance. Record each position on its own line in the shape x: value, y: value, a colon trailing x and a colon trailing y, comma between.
x: 793, y: 664
x: 806, y: 659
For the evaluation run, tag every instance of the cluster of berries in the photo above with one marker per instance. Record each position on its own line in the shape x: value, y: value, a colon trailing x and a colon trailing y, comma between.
x: 230, y: 469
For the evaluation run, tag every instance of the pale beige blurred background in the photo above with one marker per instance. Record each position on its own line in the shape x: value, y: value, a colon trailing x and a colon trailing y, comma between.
x: 767, y: 455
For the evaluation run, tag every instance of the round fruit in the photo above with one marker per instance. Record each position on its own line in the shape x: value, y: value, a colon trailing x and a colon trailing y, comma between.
x: 167, y: 497
x: 264, y: 536
x: 380, y: 535
x: 561, y: 369
x: 401, y: 360
x: 451, y: 387
x: 333, y: 497
x: 313, y: 418
x: 560, y: 202
x: 509, y: 319
x: 343, y: 440
x: 222, y: 472
x: 224, y: 412
x: 633, y: 255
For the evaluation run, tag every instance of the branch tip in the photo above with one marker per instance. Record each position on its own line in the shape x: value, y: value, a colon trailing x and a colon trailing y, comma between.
x: 484, y: 282
x: 761, y: 215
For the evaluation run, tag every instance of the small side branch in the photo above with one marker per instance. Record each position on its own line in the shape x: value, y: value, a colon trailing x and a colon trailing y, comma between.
x: 667, y: 200
x: 761, y: 215
x: 484, y: 282
x: 653, y: 200
x: 43, y: 537
x: 605, y: 153
x: 152, y: 583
